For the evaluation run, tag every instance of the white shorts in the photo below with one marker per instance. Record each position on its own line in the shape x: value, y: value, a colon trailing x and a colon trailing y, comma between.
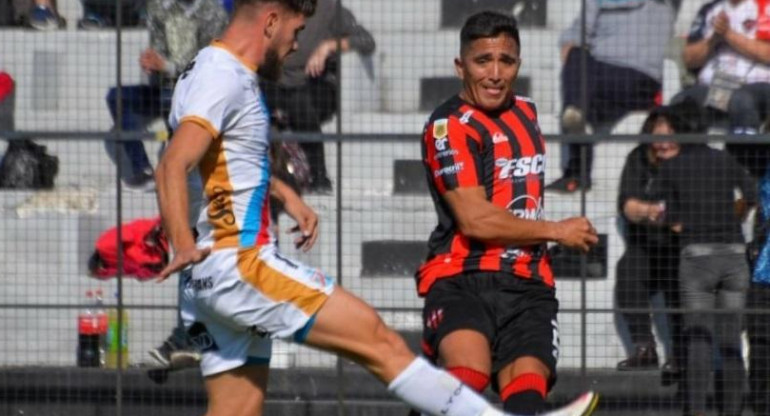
x: 237, y: 300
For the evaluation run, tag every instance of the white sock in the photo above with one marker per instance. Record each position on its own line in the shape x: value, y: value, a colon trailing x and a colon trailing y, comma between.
x: 437, y: 393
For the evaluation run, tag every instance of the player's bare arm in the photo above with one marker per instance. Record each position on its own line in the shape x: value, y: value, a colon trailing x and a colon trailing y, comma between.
x: 187, y: 147
x: 306, y: 218
x: 481, y: 220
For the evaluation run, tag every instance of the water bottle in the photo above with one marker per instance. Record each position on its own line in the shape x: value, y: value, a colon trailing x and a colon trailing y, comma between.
x: 102, y: 323
x: 88, y: 335
x: 113, y: 343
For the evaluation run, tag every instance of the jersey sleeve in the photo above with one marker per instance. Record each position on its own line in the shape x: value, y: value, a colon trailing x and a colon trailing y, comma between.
x: 699, y: 27
x: 452, y: 155
x: 212, y: 101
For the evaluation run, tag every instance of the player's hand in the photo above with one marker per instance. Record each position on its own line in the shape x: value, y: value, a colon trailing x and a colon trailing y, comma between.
x: 577, y: 233
x: 317, y: 62
x: 307, y: 223
x: 183, y: 258
x: 721, y: 24
x: 151, y: 61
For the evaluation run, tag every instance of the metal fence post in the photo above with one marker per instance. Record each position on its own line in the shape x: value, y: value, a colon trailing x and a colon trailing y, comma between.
x: 583, y: 180
x: 119, y: 203
x: 338, y: 197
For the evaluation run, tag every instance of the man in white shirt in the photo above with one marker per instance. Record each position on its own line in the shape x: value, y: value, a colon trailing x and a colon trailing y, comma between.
x: 729, y: 48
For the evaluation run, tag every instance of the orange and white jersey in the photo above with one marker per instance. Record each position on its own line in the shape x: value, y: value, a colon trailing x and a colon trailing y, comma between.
x: 219, y: 92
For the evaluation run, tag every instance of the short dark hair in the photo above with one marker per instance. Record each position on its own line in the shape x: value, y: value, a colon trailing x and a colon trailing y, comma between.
x: 488, y: 24
x: 306, y: 7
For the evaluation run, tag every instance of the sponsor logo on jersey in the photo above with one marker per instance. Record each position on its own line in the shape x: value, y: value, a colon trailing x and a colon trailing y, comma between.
x: 441, y: 144
x: 445, y: 153
x: 523, y: 166
x: 535, y: 213
x: 466, y: 117
x: 204, y: 283
x: 499, y: 138
x: 447, y: 170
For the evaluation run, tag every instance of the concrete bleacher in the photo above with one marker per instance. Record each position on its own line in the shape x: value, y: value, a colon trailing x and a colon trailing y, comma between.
x: 63, y: 78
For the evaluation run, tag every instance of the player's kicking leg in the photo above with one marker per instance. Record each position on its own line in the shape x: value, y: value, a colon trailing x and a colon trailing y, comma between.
x: 350, y: 327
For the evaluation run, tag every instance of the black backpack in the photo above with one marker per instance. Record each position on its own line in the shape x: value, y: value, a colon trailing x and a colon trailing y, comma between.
x: 26, y: 165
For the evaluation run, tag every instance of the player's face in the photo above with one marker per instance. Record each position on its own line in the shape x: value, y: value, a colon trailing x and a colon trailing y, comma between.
x: 282, y: 44
x: 488, y: 68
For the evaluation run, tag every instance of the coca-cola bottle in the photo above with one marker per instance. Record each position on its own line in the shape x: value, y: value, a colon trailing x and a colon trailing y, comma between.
x: 88, y: 335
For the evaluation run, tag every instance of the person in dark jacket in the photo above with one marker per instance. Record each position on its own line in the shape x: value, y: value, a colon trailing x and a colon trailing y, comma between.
x: 699, y: 187
x: 649, y: 263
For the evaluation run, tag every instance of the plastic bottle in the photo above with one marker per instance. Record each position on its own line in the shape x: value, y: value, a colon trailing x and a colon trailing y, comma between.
x: 88, y: 335
x: 102, y: 323
x: 112, y: 338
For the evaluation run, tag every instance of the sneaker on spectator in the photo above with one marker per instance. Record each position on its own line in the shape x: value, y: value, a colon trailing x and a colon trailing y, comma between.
x: 91, y: 21
x: 173, y: 355
x: 572, y: 121
x: 43, y: 18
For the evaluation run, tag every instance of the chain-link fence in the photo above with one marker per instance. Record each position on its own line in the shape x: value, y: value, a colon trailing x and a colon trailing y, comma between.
x: 85, y: 88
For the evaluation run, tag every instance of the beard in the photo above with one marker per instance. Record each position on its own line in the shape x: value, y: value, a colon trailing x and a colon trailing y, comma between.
x: 271, y: 68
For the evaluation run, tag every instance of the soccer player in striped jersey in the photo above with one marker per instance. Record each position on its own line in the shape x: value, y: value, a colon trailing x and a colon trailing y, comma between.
x: 490, y: 306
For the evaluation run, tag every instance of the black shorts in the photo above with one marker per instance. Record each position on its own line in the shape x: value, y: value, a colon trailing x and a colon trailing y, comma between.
x: 517, y: 316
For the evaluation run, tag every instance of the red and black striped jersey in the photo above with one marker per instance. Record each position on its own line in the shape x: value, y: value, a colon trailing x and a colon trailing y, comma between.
x: 503, y: 152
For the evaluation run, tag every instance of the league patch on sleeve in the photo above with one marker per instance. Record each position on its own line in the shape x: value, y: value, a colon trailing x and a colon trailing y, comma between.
x: 440, y: 128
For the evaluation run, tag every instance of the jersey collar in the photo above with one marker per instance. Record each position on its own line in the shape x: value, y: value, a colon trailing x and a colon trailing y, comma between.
x: 221, y: 45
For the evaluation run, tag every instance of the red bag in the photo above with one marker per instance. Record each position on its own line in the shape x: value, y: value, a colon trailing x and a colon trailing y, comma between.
x: 145, y: 250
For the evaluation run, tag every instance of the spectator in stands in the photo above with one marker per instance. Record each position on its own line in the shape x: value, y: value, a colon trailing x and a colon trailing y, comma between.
x: 729, y: 48
x: 43, y: 15
x: 178, y: 29
x: 758, y: 325
x: 306, y: 93
x: 649, y: 263
x: 38, y: 14
x: 625, y: 45
x: 698, y: 187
